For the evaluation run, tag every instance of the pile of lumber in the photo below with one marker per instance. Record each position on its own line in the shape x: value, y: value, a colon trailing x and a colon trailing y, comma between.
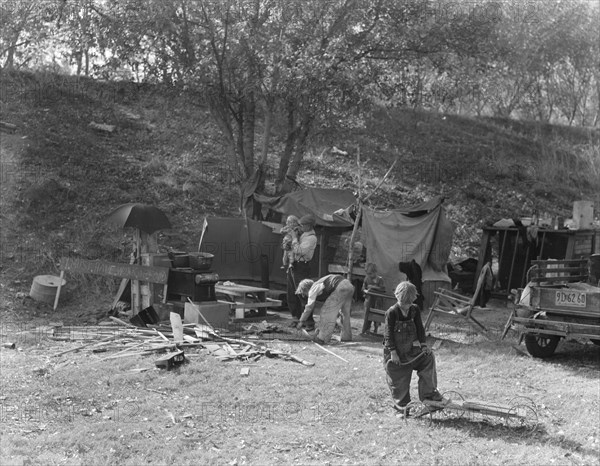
x: 122, y: 340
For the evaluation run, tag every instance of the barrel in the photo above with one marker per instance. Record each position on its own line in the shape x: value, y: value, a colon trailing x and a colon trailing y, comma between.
x: 44, y: 287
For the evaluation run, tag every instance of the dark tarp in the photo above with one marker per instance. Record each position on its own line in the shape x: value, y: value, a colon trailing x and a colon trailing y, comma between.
x: 422, y: 233
x: 321, y: 202
x: 248, y: 249
x: 243, y: 249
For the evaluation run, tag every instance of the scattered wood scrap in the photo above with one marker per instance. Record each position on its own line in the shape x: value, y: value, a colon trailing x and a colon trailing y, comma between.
x: 123, y: 340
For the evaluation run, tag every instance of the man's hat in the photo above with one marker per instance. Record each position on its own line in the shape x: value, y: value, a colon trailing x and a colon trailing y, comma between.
x: 308, y: 220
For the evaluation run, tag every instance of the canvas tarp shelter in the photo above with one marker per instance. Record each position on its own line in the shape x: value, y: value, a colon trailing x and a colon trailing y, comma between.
x: 422, y: 233
x: 323, y: 203
x: 244, y: 249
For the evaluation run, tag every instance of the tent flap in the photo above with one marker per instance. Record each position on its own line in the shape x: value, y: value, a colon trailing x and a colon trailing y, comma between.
x: 401, y: 236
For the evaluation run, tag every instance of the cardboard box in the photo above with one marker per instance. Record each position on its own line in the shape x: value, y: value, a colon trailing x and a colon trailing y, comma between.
x: 217, y: 314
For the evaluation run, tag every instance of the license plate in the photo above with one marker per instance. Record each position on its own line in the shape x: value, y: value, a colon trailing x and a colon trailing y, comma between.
x: 570, y: 298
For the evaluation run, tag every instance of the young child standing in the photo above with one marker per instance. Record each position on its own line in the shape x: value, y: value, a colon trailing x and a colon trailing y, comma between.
x: 372, y: 282
x: 405, y: 350
x: 291, y: 231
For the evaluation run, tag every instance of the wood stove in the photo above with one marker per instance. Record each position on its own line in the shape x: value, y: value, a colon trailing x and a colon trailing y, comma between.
x: 190, y: 283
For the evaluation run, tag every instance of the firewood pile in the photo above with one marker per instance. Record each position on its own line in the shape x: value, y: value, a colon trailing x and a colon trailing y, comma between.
x: 122, y: 340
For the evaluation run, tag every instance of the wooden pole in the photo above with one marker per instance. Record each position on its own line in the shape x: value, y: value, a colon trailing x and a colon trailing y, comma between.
x: 136, y: 289
x: 62, y: 275
x: 357, y: 220
x: 352, y: 237
x: 360, y: 204
x: 331, y: 352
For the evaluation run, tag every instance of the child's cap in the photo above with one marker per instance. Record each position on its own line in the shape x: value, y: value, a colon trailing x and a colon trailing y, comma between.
x: 406, y: 292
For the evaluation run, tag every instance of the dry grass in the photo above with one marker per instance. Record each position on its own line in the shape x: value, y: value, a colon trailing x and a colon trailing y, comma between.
x: 84, y: 411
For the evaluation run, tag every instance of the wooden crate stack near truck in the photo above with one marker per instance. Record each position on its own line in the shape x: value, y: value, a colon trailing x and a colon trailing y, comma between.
x: 557, y: 303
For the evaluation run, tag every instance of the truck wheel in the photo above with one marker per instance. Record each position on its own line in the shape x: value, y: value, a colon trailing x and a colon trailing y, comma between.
x: 541, y: 346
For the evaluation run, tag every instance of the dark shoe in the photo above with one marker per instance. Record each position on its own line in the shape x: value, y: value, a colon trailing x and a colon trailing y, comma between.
x: 403, y: 411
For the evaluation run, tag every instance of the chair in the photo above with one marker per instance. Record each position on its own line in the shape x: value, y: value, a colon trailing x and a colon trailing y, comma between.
x: 373, y: 314
x: 451, y: 303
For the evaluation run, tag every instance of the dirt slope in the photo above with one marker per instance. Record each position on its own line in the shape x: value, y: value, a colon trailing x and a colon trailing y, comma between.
x: 64, y: 177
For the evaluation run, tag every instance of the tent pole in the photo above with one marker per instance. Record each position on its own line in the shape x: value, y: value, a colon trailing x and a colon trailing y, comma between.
x: 360, y: 204
x: 321, y: 253
x: 357, y: 220
x: 351, y: 243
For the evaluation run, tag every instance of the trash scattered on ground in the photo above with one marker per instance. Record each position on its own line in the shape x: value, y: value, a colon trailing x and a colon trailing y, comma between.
x: 123, y: 340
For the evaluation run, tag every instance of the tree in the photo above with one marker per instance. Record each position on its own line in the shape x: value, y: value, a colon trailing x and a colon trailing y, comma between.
x: 23, y: 25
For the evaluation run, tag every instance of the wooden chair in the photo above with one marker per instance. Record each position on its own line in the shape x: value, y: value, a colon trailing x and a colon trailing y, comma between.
x: 375, y: 314
x: 451, y: 303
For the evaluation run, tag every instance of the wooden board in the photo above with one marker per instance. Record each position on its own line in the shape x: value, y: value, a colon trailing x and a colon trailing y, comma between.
x: 133, y: 272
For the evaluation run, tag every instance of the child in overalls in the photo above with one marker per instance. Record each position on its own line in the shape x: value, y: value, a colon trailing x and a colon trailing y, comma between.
x: 405, y: 350
x: 372, y: 282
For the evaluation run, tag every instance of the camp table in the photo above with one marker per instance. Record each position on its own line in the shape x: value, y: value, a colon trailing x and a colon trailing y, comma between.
x: 245, y: 297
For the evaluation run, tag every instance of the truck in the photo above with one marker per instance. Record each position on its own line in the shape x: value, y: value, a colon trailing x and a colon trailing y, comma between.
x: 558, y: 302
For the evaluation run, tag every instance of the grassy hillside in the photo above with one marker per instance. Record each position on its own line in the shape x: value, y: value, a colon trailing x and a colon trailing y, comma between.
x: 61, y: 177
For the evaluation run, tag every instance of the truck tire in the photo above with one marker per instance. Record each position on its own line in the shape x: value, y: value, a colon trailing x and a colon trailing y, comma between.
x: 541, y: 346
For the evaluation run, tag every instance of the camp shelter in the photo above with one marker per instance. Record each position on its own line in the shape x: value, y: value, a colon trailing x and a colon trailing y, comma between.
x: 329, y: 206
x: 331, y: 209
x: 421, y: 232
x: 250, y: 250
x: 245, y: 250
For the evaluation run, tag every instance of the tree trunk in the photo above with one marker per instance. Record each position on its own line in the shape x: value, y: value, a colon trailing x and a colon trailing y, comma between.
x: 224, y: 124
x: 300, y: 147
x: 9, y: 63
x: 248, y: 127
x: 284, y: 161
x: 268, y: 125
x: 78, y: 62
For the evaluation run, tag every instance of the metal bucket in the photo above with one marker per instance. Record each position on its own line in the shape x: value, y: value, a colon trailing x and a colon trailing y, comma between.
x: 44, y: 287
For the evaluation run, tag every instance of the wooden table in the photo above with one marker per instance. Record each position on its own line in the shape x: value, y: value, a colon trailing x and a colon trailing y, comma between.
x: 245, y: 298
